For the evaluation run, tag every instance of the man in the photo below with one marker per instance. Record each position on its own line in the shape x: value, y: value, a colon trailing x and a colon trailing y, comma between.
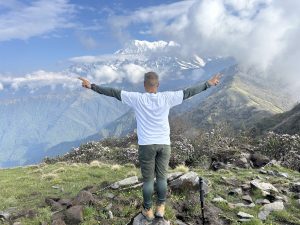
x: 153, y: 131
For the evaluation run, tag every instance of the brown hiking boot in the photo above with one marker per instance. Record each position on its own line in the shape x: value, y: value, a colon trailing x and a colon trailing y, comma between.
x: 160, y: 210
x: 148, y: 214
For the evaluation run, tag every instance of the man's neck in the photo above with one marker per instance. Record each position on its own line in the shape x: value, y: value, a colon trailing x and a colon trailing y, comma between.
x: 151, y: 90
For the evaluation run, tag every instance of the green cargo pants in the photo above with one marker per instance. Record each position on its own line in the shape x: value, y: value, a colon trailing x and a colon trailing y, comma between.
x: 154, y: 162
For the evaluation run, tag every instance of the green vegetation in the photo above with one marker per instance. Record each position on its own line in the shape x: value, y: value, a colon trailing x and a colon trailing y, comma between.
x: 27, y: 188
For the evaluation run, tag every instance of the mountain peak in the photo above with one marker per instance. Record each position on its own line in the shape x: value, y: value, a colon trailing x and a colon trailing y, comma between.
x: 142, y: 46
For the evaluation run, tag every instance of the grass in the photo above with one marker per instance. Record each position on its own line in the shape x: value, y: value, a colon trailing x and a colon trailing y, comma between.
x: 27, y: 187
x: 182, y: 168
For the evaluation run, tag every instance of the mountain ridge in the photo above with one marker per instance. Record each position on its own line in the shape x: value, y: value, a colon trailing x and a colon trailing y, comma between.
x: 286, y: 122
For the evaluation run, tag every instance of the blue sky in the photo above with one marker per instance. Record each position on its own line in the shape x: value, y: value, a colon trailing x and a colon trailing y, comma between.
x: 39, y: 38
x: 43, y: 34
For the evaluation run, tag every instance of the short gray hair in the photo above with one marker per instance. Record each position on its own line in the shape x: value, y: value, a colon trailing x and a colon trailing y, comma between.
x: 151, y: 79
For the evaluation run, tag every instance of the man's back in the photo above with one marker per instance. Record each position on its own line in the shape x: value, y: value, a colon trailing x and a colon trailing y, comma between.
x: 152, y: 111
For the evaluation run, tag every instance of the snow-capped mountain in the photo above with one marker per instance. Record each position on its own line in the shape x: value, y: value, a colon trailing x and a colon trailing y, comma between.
x: 126, y: 67
x: 136, y: 47
x: 171, y: 49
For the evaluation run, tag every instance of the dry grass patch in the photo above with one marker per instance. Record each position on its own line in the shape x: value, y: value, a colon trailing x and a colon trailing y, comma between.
x: 76, y: 165
x: 130, y: 165
x: 182, y: 168
x: 116, y: 167
x: 96, y: 164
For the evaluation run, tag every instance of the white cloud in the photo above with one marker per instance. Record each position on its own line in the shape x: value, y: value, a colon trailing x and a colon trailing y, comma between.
x: 84, y: 59
x: 104, y: 74
x: 260, y: 33
x: 157, y: 14
x: 22, y: 21
x: 1, y: 87
x: 40, y: 79
x: 87, y: 59
x: 134, y: 73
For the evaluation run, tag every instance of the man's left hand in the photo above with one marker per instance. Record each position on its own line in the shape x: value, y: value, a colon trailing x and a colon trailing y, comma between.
x: 215, y: 79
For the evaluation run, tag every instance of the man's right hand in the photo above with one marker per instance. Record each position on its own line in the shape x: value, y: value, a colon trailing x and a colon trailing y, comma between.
x: 85, y: 83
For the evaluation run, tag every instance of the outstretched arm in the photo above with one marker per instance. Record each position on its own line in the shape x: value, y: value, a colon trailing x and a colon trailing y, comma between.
x: 191, y: 91
x: 112, y: 92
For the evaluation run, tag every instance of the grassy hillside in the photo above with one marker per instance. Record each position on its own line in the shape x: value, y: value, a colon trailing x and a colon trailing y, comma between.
x: 287, y: 122
x: 27, y: 187
x: 242, y: 99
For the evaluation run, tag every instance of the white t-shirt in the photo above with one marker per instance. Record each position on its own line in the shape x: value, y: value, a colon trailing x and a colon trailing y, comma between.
x: 152, y: 112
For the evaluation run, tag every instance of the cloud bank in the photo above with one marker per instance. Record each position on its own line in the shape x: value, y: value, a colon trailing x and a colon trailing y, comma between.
x: 260, y: 33
x: 100, y: 74
x: 40, y: 79
x: 19, y: 20
x: 104, y: 74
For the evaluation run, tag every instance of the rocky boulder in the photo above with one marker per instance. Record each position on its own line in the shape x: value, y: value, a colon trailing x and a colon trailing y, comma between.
x: 74, y: 215
x: 4, y: 215
x: 58, y: 222
x: 295, y: 187
x: 268, y: 208
x: 188, y: 180
x: 140, y: 220
x: 264, y: 187
x: 259, y: 160
x: 244, y: 216
x: 84, y: 198
x: 125, y: 182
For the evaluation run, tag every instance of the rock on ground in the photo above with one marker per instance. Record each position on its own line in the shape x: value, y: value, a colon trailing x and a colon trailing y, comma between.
x: 263, y: 186
x: 259, y: 160
x: 244, y: 215
x: 125, y: 182
x: 295, y: 187
x: 268, y: 208
x: 174, y: 175
x: 58, y: 222
x: 84, y: 198
x: 74, y: 215
x: 236, y: 191
x: 219, y: 199
x: 247, y: 198
x: 261, y: 201
x: 188, y: 180
x: 141, y: 220
x: 5, y: 215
